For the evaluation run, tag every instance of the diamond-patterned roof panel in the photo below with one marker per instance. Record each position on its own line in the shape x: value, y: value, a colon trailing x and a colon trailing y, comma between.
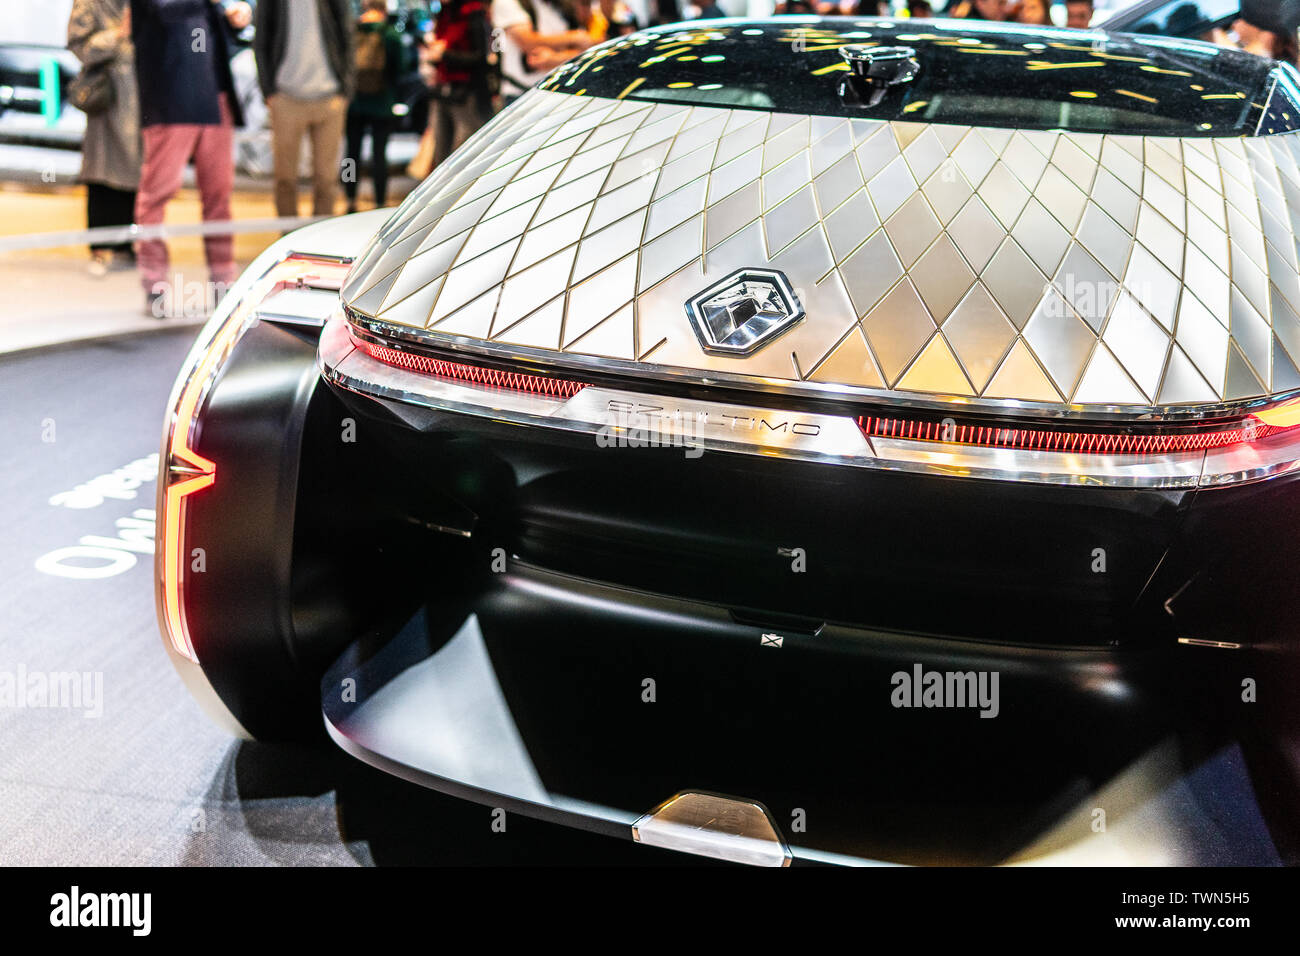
x: 990, y: 263
x: 1061, y: 340
x: 1120, y: 202
x: 850, y: 223
x: 936, y: 371
x: 849, y: 363
x: 976, y: 232
x: 1105, y: 383
x: 1014, y: 281
x: 979, y: 333
x: 912, y: 228
x: 897, y: 328
x: 1138, y: 342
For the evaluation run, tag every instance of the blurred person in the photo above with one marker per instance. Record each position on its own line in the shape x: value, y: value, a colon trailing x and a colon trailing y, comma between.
x: 379, y: 63
x: 920, y: 9
x: 1078, y: 14
x: 703, y: 10
x: 979, y: 10
x: 669, y: 11
x: 188, y: 111
x: 99, y: 35
x: 1268, y: 28
x: 422, y: 163
x: 461, y: 53
x: 609, y: 19
x: 536, y: 37
x: 1033, y: 13
x: 305, y: 65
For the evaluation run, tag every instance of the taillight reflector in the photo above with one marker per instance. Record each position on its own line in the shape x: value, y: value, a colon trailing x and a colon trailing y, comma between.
x: 187, y: 472
x: 1253, y: 427
x: 472, y: 374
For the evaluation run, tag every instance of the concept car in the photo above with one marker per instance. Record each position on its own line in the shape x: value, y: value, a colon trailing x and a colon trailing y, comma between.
x: 643, y: 469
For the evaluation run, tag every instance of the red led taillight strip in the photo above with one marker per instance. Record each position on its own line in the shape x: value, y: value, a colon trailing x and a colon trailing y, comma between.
x: 1251, y: 428
x: 473, y: 374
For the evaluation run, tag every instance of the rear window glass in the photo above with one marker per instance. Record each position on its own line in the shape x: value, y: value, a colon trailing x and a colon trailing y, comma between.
x: 1177, y: 18
x: 972, y: 73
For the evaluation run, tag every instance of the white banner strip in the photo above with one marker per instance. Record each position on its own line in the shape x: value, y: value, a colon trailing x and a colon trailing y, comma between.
x: 112, y: 235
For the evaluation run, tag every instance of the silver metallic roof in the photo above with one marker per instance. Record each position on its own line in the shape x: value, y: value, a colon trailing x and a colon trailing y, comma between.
x: 932, y: 260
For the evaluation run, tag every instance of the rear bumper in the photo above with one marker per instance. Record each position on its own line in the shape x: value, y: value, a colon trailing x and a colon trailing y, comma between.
x: 611, y: 641
x: 590, y: 706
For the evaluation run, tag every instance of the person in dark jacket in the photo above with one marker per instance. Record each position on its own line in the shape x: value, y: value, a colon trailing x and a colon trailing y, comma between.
x: 380, y: 57
x: 304, y: 51
x: 188, y: 111
x: 461, y: 51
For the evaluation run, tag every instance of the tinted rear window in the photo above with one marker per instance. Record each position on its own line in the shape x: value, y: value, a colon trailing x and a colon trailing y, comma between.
x: 1176, y: 18
x: 972, y: 73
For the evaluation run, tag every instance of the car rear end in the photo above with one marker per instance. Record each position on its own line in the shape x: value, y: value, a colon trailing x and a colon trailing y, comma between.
x: 724, y: 462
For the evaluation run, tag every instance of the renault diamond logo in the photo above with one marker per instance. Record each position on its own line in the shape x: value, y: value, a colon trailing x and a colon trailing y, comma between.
x: 744, y: 311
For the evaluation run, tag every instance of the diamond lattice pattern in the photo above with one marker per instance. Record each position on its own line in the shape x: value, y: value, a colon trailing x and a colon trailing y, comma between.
x: 950, y: 260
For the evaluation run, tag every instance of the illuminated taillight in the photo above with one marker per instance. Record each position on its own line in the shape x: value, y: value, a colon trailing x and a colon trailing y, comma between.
x: 1256, y: 426
x: 472, y: 374
x: 185, y: 472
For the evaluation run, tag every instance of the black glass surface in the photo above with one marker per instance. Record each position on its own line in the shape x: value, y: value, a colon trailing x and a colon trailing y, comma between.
x: 972, y: 73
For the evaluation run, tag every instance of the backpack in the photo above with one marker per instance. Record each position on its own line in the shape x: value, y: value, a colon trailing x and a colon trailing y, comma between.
x: 372, y: 62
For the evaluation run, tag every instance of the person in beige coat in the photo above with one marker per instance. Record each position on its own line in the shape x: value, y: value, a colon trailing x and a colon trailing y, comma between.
x: 99, y: 32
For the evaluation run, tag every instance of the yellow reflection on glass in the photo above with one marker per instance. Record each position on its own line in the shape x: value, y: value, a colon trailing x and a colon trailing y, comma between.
x: 1138, y: 96
x: 1037, y: 65
x: 631, y: 86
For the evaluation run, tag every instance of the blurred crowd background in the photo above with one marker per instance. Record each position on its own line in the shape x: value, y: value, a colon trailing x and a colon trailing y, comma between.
x: 313, y: 107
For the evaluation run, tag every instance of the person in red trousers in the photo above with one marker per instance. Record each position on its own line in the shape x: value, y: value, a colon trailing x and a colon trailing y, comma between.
x: 188, y: 112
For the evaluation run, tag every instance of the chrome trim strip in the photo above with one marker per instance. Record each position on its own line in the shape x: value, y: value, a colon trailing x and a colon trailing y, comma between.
x: 616, y: 417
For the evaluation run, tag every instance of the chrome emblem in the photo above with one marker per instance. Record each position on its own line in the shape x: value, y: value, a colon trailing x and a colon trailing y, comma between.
x: 744, y: 311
